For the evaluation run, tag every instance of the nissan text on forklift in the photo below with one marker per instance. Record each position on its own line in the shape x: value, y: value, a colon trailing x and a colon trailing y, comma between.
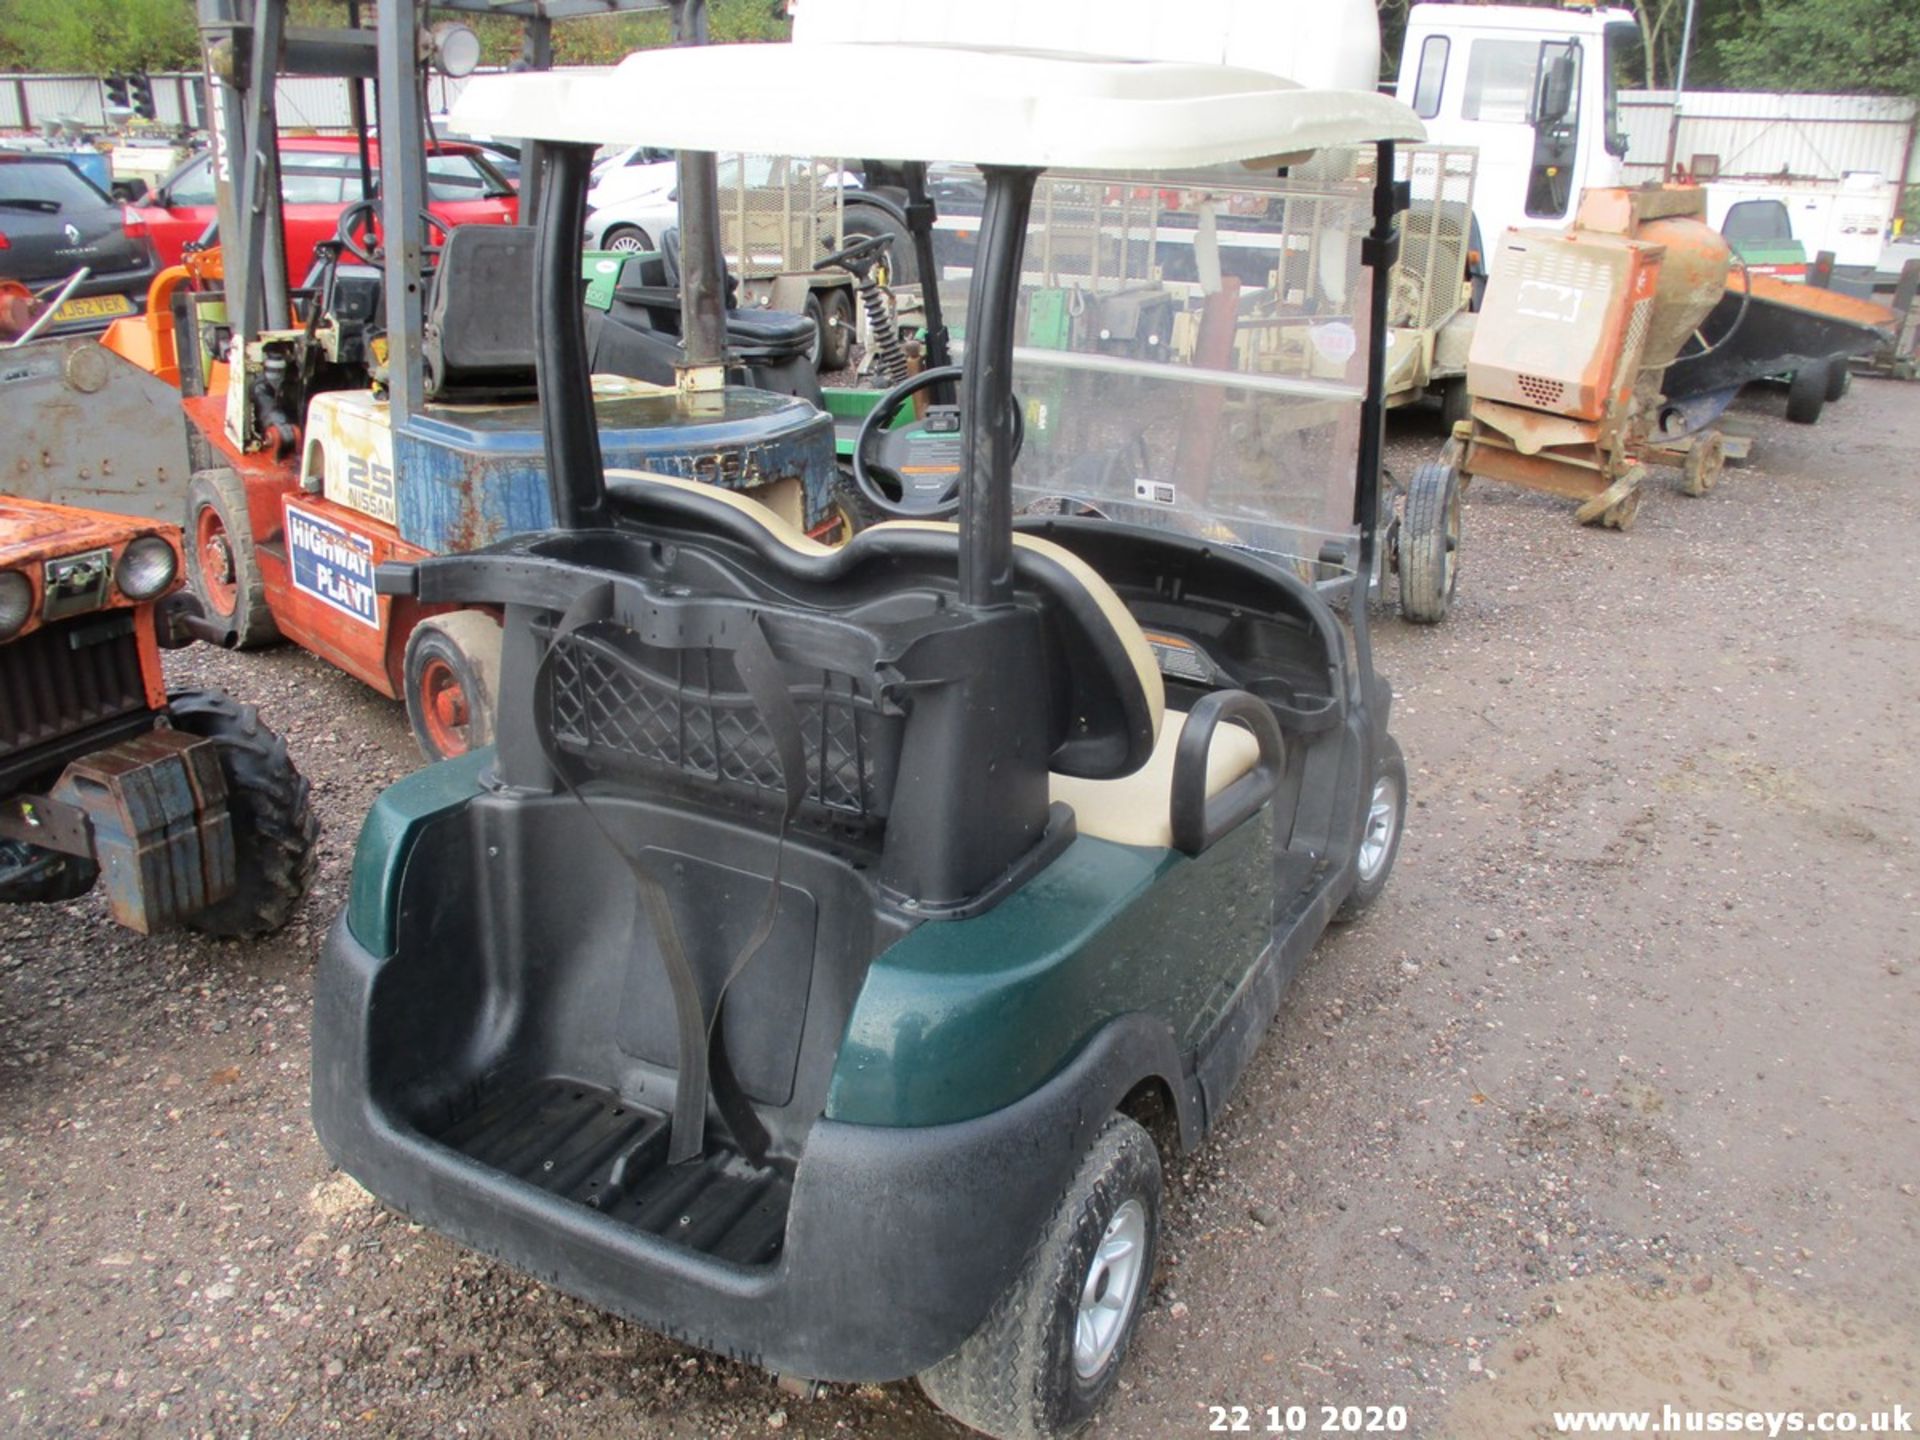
x: 817, y: 963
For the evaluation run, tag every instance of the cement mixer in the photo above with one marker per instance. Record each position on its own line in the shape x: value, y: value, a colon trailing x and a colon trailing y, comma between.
x: 1574, y: 338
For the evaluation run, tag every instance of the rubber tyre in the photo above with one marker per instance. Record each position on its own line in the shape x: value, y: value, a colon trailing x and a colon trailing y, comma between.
x: 1429, y: 544
x: 1839, y: 380
x: 816, y: 347
x: 271, y: 807
x: 53, y: 877
x: 452, y: 675
x: 1014, y: 1378
x: 1390, y: 766
x: 216, y: 500
x: 1456, y: 403
x: 1807, y: 395
x: 836, y: 347
x: 627, y: 240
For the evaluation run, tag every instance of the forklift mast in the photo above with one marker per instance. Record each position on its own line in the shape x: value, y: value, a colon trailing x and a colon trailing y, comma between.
x: 248, y: 43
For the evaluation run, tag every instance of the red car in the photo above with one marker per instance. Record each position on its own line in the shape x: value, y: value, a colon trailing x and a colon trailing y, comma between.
x: 319, y: 178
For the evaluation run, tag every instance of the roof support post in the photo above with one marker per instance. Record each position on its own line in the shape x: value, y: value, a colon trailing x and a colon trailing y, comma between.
x: 403, y: 195
x: 1380, y: 250
x: 986, y: 391
x: 575, y: 481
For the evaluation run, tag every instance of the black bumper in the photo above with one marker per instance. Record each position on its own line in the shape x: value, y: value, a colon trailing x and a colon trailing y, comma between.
x: 897, y: 1243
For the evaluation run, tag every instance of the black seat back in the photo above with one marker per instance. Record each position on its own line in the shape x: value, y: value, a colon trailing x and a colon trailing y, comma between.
x: 478, y: 343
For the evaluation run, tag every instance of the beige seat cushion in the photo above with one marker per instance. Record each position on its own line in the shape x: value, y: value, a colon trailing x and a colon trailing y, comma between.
x: 777, y: 526
x: 1145, y: 666
x: 1137, y: 809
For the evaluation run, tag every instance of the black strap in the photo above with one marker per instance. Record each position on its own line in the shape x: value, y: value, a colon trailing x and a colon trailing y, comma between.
x: 700, y: 1039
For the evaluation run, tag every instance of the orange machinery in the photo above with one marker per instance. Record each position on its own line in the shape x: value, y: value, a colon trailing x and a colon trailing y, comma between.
x: 1576, y: 330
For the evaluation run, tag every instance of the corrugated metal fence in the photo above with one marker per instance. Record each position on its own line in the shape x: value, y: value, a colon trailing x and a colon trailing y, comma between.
x: 1809, y: 137
x: 315, y: 103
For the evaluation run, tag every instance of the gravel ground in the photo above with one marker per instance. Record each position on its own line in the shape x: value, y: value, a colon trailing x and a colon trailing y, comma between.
x: 1612, y: 1096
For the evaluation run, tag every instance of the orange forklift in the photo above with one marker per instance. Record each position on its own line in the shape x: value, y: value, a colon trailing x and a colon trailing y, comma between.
x: 384, y: 411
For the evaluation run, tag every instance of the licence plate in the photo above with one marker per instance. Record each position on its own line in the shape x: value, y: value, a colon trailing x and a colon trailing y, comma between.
x: 92, y: 307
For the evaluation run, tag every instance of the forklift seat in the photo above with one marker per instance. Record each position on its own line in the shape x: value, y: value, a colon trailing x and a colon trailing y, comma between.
x: 478, y: 341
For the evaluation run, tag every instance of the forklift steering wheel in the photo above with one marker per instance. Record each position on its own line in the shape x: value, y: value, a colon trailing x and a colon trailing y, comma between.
x: 362, y: 216
x: 860, y: 250
x: 913, y: 472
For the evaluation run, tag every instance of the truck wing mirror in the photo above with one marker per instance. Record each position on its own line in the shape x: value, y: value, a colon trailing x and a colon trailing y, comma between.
x: 1554, y: 101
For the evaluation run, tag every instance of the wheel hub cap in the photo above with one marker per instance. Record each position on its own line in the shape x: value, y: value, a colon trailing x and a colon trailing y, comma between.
x: 1382, y: 816
x: 1108, y: 1292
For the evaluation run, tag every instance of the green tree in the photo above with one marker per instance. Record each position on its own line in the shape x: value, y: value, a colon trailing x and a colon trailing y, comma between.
x: 99, y: 37
x: 1826, y: 45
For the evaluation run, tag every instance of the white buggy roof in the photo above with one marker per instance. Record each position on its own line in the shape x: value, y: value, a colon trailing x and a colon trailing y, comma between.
x: 990, y: 107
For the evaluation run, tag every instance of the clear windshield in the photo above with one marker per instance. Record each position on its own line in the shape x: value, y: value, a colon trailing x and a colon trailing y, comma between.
x: 1191, y: 356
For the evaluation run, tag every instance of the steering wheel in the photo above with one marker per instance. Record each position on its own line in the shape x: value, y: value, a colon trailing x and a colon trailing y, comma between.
x: 862, y: 249
x: 357, y: 224
x: 913, y: 473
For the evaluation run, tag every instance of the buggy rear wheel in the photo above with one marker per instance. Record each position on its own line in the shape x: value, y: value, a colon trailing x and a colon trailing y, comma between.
x: 222, y: 568
x: 452, y: 675
x: 1051, y: 1348
x: 270, y: 805
x: 1380, y: 833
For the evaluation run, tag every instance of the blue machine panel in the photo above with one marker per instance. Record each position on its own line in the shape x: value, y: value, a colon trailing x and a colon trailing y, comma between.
x: 477, y: 474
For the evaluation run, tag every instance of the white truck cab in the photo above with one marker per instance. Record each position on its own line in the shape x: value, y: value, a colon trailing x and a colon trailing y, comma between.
x: 1534, y: 89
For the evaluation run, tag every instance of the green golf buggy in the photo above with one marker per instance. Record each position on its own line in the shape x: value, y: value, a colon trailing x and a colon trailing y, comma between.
x: 837, y: 942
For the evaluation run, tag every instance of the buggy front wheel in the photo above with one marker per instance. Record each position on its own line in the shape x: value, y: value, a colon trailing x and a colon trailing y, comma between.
x: 1051, y: 1348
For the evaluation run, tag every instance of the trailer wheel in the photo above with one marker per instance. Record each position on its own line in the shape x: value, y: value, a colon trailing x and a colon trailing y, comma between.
x: 452, y: 674
x: 222, y: 567
x: 1456, y: 402
x: 816, y: 347
x: 1051, y: 1348
x: 31, y: 875
x: 270, y: 804
x: 1380, y: 834
x: 1807, y: 395
x: 836, y: 343
x: 1839, y: 380
x: 1429, y: 544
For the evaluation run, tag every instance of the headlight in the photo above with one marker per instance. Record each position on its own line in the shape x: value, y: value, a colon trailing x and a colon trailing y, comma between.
x: 146, y: 568
x: 16, y: 602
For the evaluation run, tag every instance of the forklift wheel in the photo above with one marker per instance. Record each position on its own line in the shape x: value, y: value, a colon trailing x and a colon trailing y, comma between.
x: 270, y: 805
x: 836, y: 342
x: 1052, y: 1346
x: 221, y: 566
x: 1839, y: 380
x: 1429, y: 544
x: 1380, y: 839
x: 1807, y: 395
x: 452, y: 678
